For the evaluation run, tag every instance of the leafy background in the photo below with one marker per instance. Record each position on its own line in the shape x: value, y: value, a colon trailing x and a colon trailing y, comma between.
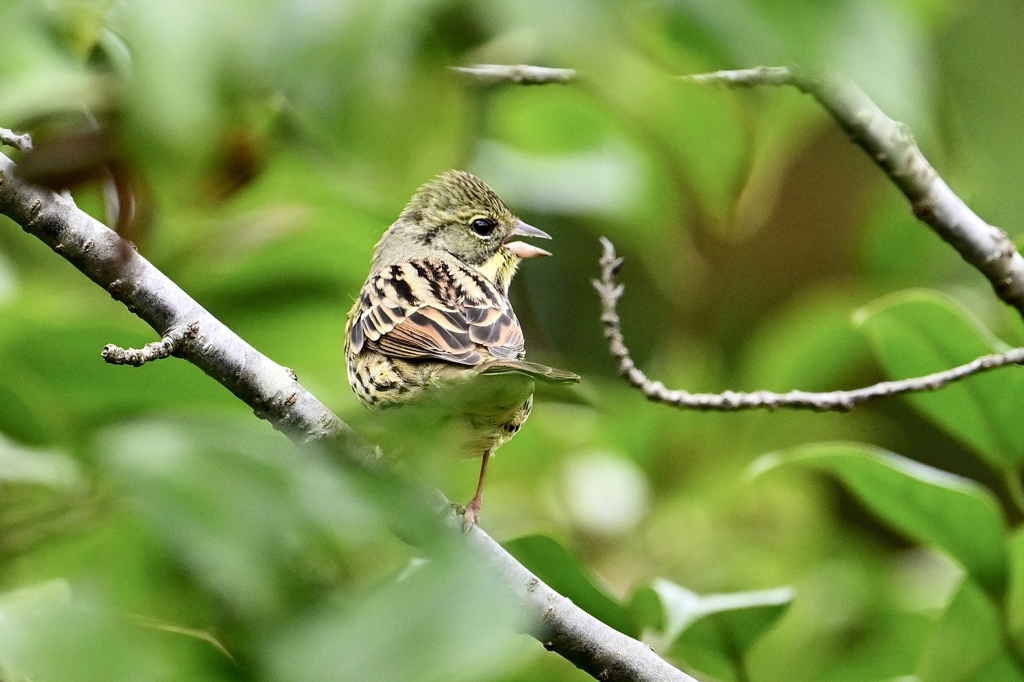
x: 152, y: 529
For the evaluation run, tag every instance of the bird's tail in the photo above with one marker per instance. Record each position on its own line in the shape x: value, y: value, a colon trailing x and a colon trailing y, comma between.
x: 531, y: 369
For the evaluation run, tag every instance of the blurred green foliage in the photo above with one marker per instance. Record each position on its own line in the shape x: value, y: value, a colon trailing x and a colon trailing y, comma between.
x: 151, y: 528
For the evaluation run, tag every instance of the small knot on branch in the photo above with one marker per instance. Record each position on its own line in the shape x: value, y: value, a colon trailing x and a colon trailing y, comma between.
x: 165, y: 347
x: 23, y: 143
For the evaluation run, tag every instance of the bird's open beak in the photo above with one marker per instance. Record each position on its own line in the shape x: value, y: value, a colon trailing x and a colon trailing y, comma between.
x: 522, y: 249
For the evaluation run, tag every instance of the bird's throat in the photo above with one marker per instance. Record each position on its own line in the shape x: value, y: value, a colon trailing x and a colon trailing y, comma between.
x: 500, y: 268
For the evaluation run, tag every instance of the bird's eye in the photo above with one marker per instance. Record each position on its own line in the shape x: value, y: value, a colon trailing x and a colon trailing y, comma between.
x: 483, y: 227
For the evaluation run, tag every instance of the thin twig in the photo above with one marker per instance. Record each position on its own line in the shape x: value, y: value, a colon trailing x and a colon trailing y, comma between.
x: 274, y: 394
x: 759, y: 75
x: 892, y: 146
x: 170, y: 344
x: 23, y: 143
x: 518, y: 74
x: 202, y: 635
x: 610, y: 293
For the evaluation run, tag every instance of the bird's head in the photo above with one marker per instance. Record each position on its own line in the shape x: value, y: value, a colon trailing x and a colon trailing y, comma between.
x: 459, y: 214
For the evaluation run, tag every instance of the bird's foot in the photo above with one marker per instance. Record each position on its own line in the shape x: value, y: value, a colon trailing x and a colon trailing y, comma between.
x: 470, y: 515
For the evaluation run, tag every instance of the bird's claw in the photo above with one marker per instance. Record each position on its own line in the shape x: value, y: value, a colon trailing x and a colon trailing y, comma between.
x: 470, y: 514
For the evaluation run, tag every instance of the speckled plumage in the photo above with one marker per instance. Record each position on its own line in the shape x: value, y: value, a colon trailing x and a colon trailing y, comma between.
x: 433, y: 317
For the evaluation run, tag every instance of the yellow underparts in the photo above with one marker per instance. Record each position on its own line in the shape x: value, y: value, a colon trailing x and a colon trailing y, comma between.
x: 500, y: 268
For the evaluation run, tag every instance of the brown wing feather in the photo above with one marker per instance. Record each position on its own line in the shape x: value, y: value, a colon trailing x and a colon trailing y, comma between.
x: 436, y: 310
x: 531, y: 369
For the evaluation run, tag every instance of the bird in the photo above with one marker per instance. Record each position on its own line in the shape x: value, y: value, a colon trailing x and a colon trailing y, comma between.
x: 433, y: 324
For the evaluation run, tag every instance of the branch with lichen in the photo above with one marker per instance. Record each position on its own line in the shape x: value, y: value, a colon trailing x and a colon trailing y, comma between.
x: 892, y: 146
x: 610, y: 292
x: 190, y: 332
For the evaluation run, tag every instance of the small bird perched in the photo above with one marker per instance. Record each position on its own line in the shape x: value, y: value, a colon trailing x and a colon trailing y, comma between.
x: 433, y: 321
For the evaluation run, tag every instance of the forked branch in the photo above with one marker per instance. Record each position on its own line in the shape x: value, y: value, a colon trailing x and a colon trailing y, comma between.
x: 610, y: 292
x: 893, y: 148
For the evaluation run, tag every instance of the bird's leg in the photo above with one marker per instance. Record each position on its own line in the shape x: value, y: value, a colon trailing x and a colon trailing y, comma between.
x: 471, y: 513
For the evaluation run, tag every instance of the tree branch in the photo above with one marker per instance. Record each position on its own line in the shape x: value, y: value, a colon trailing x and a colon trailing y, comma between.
x: 192, y: 333
x: 892, y: 146
x: 23, y: 143
x: 610, y: 292
x: 164, y: 348
x: 518, y: 74
x: 114, y: 264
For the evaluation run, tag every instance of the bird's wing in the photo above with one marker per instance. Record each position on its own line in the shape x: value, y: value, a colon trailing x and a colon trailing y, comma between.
x: 433, y: 309
x: 533, y: 370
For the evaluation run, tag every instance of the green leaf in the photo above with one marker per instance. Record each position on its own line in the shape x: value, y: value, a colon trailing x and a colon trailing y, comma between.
x: 967, y: 643
x: 919, y: 332
x: 234, y: 504
x: 711, y: 633
x: 676, y: 609
x: 927, y: 505
x: 561, y: 571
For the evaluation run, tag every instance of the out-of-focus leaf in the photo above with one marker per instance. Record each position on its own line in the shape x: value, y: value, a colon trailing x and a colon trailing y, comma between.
x: 967, y: 644
x: 237, y: 506
x: 46, y: 633
x: 711, y: 633
x: 605, y: 180
x: 558, y: 568
x: 34, y: 598
x: 291, y: 222
x: 19, y: 464
x: 986, y: 88
x: 733, y: 623
x: 920, y: 332
x: 927, y: 505
x: 8, y: 280
x: 897, y: 250
x: 61, y: 353
x: 653, y: 102
x: 268, y: 530
x: 17, y: 607
x: 447, y: 621
x: 30, y: 413
x: 1015, y: 594
x: 562, y: 121
x: 604, y: 493
x: 809, y: 345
